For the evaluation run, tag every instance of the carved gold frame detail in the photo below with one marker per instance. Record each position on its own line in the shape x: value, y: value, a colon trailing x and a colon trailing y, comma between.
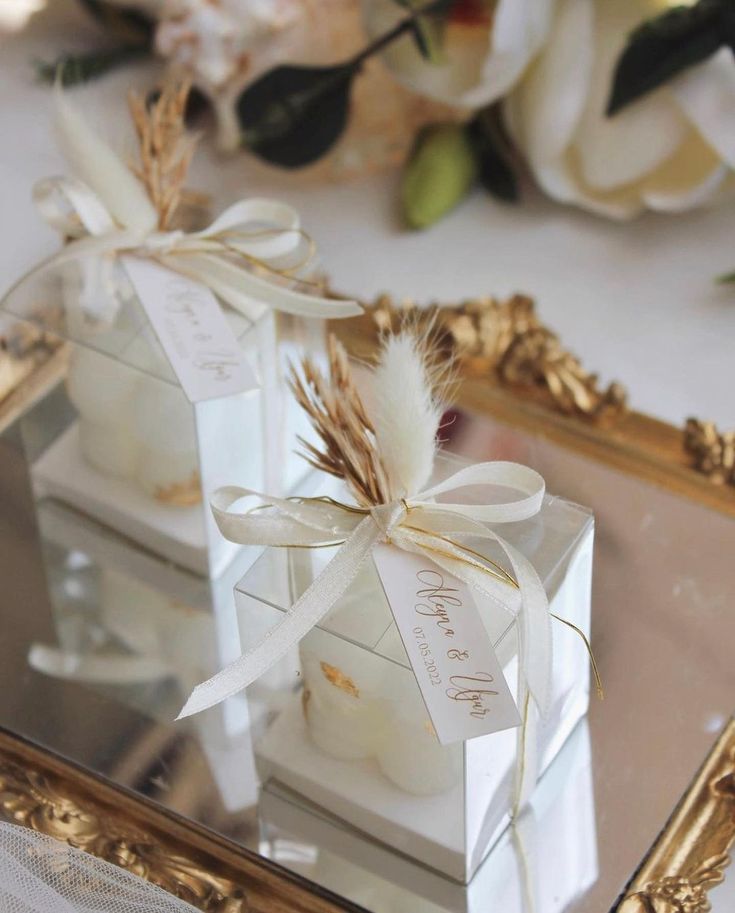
x: 40, y: 791
x: 691, y: 854
x: 515, y: 370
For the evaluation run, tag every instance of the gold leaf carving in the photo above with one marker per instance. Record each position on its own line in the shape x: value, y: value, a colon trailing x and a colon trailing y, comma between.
x: 691, y: 855
x: 31, y: 799
x: 506, y: 339
x: 712, y: 450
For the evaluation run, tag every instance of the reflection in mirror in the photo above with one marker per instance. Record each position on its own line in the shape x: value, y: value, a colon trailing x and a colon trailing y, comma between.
x: 662, y: 603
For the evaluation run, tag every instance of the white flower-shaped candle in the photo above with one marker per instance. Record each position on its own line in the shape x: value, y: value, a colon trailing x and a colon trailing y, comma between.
x: 670, y: 150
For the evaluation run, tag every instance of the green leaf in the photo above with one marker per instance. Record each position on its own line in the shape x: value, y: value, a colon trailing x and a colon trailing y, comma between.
x: 427, y: 27
x: 665, y: 46
x: 73, y: 69
x: 726, y: 278
x: 439, y: 174
x: 495, y: 156
x: 293, y: 115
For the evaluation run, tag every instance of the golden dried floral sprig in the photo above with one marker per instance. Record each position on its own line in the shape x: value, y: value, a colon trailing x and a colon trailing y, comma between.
x: 339, y: 417
x: 166, y: 149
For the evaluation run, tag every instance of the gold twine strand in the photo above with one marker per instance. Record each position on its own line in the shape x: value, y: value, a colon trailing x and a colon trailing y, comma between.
x: 496, y: 571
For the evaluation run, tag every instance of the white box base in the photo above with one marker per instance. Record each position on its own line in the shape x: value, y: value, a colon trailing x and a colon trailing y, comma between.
x: 557, y: 837
x: 176, y: 533
x: 287, y: 754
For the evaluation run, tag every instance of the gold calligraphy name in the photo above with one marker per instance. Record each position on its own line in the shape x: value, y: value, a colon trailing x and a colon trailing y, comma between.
x: 470, y: 688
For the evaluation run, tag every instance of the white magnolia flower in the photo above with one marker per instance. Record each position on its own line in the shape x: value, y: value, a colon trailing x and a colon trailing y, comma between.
x: 486, y: 46
x: 669, y: 151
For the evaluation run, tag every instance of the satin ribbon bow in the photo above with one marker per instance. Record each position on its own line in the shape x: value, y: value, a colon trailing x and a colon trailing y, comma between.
x: 256, y: 231
x: 417, y: 524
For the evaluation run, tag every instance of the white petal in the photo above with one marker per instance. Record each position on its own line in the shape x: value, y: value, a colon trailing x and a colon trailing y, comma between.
x: 688, y: 179
x: 480, y: 62
x: 618, y: 150
x: 706, y: 94
x: 561, y: 180
x: 519, y: 29
x: 550, y: 99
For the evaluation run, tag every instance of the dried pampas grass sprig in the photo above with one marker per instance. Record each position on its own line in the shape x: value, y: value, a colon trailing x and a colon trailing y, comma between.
x: 390, y: 454
x: 339, y: 418
x: 407, y: 381
x: 166, y: 150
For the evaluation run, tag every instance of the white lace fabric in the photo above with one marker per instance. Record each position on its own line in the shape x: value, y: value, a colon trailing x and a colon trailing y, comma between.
x: 39, y: 874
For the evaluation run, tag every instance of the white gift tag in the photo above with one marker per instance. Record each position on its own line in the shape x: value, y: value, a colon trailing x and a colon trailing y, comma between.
x: 193, y: 331
x: 456, y: 668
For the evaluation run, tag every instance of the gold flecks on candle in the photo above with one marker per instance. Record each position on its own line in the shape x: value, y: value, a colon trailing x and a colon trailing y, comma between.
x: 337, y: 678
x: 180, y: 494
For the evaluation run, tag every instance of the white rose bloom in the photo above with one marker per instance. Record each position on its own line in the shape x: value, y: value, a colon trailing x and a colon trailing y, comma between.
x: 486, y: 46
x: 669, y: 151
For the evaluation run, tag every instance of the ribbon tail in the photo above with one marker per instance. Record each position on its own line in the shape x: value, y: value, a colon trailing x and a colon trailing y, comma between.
x: 241, y: 289
x: 306, y: 612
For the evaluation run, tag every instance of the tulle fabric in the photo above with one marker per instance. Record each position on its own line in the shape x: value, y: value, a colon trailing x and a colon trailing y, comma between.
x: 39, y: 874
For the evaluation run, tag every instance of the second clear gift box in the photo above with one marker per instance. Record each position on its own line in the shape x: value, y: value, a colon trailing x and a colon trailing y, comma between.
x: 347, y: 727
x: 120, y: 441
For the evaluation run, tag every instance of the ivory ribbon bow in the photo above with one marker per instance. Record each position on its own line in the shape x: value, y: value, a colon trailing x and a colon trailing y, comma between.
x: 417, y: 524
x: 257, y: 230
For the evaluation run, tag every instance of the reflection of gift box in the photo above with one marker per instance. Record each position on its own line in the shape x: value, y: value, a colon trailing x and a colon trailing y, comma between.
x: 550, y: 860
x: 350, y: 730
x: 124, y: 444
x: 143, y: 631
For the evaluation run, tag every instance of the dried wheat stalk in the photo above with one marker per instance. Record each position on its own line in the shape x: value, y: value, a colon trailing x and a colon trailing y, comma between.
x: 339, y: 417
x: 165, y: 148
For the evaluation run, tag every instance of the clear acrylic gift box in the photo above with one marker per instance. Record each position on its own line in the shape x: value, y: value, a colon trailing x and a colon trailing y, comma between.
x: 549, y: 861
x: 120, y: 441
x: 347, y: 727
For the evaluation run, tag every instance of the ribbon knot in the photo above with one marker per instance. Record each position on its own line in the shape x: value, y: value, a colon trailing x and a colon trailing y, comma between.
x: 258, y: 232
x: 162, y: 242
x: 437, y: 532
x: 388, y: 516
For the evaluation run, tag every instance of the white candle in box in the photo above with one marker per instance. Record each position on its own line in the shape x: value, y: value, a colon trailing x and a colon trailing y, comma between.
x: 344, y: 719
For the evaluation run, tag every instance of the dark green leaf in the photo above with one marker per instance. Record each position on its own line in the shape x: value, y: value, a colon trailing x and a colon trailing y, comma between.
x: 293, y: 115
x: 668, y: 44
x: 496, y: 172
x: 73, y: 69
x: 427, y: 27
x: 726, y: 278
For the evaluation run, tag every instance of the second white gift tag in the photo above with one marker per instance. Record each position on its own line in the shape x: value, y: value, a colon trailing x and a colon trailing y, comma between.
x: 193, y: 331
x: 456, y: 668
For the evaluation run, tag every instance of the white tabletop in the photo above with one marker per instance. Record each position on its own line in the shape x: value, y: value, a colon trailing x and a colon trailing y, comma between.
x: 636, y: 300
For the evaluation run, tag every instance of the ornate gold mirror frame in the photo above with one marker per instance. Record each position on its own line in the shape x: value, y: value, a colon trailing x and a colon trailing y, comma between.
x: 691, y: 854
x: 55, y: 797
x: 40, y: 791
